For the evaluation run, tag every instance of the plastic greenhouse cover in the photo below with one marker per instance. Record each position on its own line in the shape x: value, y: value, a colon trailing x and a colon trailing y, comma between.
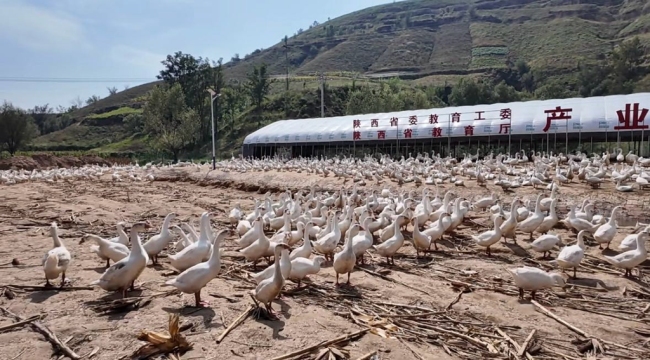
x: 587, y: 115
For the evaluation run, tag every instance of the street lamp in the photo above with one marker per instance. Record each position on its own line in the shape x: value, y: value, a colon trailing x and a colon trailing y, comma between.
x: 213, y: 97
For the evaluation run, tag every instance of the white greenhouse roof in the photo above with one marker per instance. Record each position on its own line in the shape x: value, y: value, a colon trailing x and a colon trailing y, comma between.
x: 588, y: 115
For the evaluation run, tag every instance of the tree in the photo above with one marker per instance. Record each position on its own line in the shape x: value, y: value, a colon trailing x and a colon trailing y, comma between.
x: 41, y: 114
x: 171, y: 123
x: 195, y: 76
x: 258, y: 86
x: 93, y: 99
x: 112, y: 90
x: 469, y: 92
x: 77, y: 103
x: 505, y: 93
x: 18, y: 128
x: 134, y: 122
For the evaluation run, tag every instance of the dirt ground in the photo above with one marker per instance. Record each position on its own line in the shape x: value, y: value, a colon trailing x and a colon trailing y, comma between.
x: 467, y: 293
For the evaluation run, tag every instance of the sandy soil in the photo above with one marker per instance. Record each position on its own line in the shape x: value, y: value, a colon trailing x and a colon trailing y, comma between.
x: 601, y: 302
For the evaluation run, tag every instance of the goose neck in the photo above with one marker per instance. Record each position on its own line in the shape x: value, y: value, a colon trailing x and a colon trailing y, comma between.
x: 55, y: 236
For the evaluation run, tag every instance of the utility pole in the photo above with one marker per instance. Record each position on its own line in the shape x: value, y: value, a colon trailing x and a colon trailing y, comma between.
x: 286, y: 57
x: 321, y: 78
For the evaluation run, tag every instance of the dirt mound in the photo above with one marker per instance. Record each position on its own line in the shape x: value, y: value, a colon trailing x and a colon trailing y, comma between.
x: 45, y: 161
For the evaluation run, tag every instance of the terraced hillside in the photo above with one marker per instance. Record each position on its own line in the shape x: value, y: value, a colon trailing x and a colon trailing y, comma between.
x: 423, y: 37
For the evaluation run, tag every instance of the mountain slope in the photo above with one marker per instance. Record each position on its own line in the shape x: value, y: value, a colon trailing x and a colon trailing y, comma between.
x: 428, y: 37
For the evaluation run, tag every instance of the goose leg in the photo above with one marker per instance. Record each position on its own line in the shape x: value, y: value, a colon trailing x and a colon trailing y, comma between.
x: 197, y: 300
x: 488, y: 252
x: 337, y: 279
x: 62, y: 279
x: 132, y: 286
x: 349, y: 280
x: 47, y: 283
x: 124, y: 293
x: 532, y: 295
x: 574, y: 273
x: 521, y: 293
x: 108, y: 262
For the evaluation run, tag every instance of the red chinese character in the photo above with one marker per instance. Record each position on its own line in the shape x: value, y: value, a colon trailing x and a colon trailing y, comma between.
x: 504, y: 128
x: 356, y: 135
x: 393, y: 121
x: 480, y: 115
x: 433, y: 119
x: 556, y: 114
x: 381, y: 134
x: 413, y: 120
x: 469, y: 130
x: 636, y: 119
x: 436, y: 132
x: 506, y: 114
x: 356, y: 123
x: 407, y: 133
x: 455, y: 117
x: 374, y: 123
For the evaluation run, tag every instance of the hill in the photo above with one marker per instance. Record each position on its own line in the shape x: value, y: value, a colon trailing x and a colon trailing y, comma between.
x: 425, y: 42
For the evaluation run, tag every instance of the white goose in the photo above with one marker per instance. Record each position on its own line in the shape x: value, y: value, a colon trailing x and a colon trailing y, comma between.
x: 285, y: 267
x: 106, y: 249
x: 327, y: 244
x: 550, y: 221
x: 158, y: 242
x: 345, y: 260
x: 363, y: 241
x: 195, y: 278
x: 302, y: 267
x: 509, y: 226
x: 490, y: 237
x: 303, y: 251
x: 633, y: 258
x: 629, y: 242
x: 420, y: 240
x: 123, y: 273
x: 530, y: 225
x: 606, y: 232
x: 56, y: 260
x: 571, y: 256
x: 196, y: 252
x: 258, y: 248
x: 250, y: 236
x: 533, y: 279
x: 545, y: 243
x: 436, y: 230
x: 389, y: 248
x: 269, y: 289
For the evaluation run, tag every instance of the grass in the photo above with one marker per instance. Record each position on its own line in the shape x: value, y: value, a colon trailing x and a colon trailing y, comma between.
x: 135, y: 143
x: 126, y: 110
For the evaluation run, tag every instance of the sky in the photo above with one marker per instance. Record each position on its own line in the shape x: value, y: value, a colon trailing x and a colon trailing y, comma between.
x: 121, y: 43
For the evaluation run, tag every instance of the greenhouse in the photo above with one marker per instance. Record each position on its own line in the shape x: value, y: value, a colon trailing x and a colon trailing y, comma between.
x: 563, y: 125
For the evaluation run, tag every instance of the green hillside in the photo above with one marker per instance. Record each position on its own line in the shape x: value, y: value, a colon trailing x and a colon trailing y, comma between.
x: 427, y: 43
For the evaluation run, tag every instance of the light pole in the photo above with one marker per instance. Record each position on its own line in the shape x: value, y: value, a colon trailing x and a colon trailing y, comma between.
x: 213, y: 97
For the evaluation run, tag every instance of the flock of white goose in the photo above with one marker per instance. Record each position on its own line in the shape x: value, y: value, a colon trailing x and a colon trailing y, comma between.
x: 118, y: 173
x: 508, y: 172
x: 303, y: 231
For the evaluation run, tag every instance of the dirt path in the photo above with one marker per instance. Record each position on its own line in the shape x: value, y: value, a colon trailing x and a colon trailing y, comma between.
x: 603, y: 304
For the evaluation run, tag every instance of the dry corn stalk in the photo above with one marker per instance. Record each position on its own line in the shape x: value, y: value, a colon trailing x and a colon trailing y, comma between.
x: 163, y: 343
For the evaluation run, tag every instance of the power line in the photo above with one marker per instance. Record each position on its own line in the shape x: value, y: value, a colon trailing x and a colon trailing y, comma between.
x: 74, y: 80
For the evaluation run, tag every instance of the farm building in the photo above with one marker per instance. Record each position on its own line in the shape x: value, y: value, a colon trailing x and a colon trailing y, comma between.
x: 563, y: 125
